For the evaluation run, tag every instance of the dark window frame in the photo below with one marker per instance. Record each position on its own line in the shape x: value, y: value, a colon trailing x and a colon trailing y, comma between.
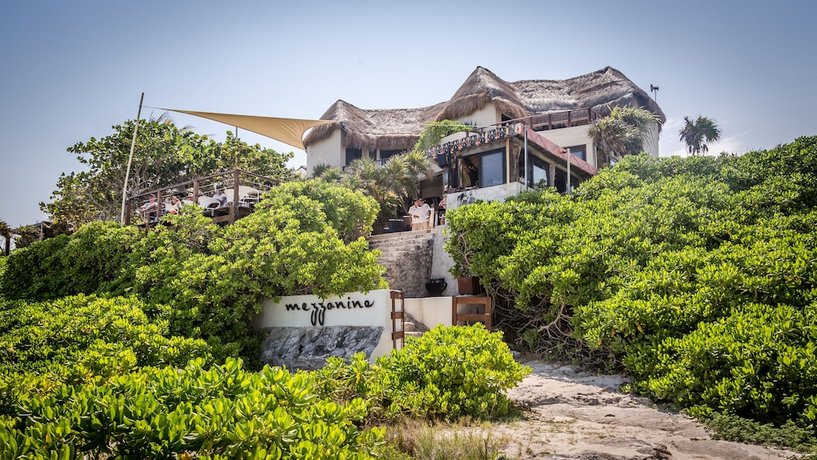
x: 356, y: 155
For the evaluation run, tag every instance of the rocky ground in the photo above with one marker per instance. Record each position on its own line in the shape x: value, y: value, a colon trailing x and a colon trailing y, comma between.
x: 576, y: 415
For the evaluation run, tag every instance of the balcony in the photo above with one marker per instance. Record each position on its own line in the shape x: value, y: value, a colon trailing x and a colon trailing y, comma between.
x: 225, y: 197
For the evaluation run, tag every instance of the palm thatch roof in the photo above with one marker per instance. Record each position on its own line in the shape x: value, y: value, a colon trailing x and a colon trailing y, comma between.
x: 400, y: 128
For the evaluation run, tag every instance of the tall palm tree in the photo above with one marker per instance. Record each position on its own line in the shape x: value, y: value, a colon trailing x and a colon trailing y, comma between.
x: 696, y: 134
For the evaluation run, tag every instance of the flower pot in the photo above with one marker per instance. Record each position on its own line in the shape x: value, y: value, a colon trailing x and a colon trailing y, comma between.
x: 436, y: 286
x: 469, y: 285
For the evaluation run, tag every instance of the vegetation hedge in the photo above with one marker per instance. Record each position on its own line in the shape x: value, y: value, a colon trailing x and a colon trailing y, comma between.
x: 447, y: 373
x: 222, y: 411
x: 695, y: 275
x: 146, y: 409
x: 304, y: 237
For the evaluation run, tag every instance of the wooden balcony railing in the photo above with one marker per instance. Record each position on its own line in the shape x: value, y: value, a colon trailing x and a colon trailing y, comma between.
x: 507, y: 128
x: 224, y: 196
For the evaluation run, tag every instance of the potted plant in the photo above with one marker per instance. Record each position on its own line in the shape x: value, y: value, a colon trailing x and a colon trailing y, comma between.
x: 467, y: 284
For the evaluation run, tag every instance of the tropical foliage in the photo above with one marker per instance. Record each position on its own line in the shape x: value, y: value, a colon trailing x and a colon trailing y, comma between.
x: 696, y: 134
x: 304, y: 237
x: 445, y: 374
x: 164, y: 155
x: 695, y: 275
x: 622, y: 132
x: 393, y: 184
x: 85, y: 376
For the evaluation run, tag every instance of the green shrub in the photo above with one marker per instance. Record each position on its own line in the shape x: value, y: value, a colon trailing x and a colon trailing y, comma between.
x: 81, y: 337
x: 224, y: 411
x: 90, y: 260
x: 447, y: 373
x: 695, y: 275
x: 759, y: 362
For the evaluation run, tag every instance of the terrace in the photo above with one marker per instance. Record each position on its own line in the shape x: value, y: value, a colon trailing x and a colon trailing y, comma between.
x: 225, y: 197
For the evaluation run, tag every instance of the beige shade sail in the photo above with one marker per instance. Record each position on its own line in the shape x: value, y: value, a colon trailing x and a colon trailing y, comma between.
x: 287, y: 130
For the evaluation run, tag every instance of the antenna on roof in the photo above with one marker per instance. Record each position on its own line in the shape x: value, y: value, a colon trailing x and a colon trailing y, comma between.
x: 654, y: 90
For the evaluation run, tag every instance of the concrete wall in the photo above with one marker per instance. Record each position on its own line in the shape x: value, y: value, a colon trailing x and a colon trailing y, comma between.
x: 441, y: 262
x: 495, y: 193
x: 485, y: 116
x: 302, y: 331
x: 574, y: 135
x: 328, y: 151
x: 430, y: 311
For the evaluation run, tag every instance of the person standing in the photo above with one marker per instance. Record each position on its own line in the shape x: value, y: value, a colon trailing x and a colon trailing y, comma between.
x: 420, y: 213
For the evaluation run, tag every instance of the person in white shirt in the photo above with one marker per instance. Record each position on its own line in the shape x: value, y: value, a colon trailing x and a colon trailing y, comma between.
x: 221, y: 197
x: 420, y: 213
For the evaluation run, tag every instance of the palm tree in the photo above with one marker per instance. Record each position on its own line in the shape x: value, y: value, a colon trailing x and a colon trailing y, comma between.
x: 696, y: 134
x: 623, y: 131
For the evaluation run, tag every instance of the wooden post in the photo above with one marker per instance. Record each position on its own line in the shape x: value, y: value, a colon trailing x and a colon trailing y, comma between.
x: 567, y: 189
x: 236, y: 195
x: 196, y: 191
x: 128, y: 212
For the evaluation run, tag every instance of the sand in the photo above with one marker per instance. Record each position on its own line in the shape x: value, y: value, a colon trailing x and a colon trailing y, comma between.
x: 569, y: 414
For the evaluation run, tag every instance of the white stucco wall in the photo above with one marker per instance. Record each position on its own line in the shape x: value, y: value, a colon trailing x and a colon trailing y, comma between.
x: 495, y: 193
x: 430, y: 311
x: 574, y: 135
x: 328, y: 151
x: 485, y: 116
x: 376, y: 312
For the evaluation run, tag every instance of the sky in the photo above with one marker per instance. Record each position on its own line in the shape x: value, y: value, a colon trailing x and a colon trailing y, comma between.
x: 71, y: 70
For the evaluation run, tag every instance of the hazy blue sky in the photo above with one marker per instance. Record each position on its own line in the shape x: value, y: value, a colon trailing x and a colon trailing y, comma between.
x: 71, y: 70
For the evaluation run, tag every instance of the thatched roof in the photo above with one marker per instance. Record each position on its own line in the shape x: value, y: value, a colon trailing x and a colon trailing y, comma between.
x: 400, y: 128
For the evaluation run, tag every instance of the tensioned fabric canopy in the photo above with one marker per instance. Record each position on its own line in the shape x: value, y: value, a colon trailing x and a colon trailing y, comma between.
x: 287, y: 130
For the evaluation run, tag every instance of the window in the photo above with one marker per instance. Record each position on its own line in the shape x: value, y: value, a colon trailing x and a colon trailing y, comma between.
x: 482, y: 170
x: 538, y: 174
x: 386, y: 154
x: 492, y: 168
x: 579, y: 151
x: 353, y: 154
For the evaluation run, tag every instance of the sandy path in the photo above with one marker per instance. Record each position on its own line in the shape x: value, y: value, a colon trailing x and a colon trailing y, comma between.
x: 577, y: 415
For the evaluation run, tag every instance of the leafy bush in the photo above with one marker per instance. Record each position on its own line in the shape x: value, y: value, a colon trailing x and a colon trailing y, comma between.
x: 216, y: 280
x: 88, y: 261
x: 79, y: 338
x: 696, y: 275
x: 759, y: 362
x: 447, y: 373
x: 224, y: 411
x: 305, y: 237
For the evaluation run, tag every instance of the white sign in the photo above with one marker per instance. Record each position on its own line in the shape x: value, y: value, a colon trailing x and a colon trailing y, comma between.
x: 372, y: 308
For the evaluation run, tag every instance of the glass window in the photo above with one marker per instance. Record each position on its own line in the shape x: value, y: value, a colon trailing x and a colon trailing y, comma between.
x: 353, y: 154
x: 539, y: 174
x: 386, y: 154
x: 492, y: 169
x: 579, y: 151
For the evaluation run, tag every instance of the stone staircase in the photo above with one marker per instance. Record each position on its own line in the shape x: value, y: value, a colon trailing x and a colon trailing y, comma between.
x: 407, y: 257
x: 412, y: 327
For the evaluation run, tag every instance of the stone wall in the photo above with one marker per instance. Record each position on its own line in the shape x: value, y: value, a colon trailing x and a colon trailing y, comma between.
x: 308, y: 347
x: 407, y: 257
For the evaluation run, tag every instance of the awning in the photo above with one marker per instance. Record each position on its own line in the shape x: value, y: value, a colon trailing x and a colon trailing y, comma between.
x: 287, y: 130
